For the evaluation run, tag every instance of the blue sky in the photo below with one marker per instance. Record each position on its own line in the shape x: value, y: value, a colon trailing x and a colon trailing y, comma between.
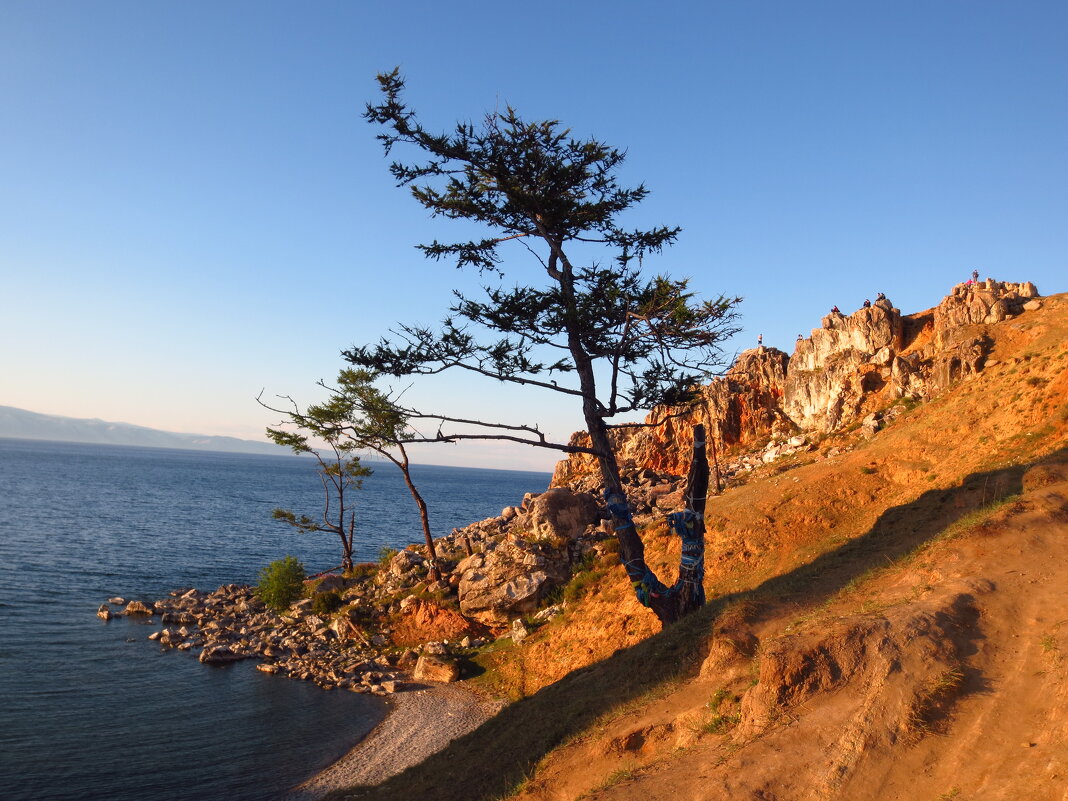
x: 192, y: 209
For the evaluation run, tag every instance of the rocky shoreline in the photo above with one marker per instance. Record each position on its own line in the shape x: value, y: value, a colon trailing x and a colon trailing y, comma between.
x: 231, y: 624
x: 388, y: 624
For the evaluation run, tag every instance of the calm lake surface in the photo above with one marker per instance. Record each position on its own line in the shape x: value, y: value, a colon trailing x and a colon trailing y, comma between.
x: 94, y: 710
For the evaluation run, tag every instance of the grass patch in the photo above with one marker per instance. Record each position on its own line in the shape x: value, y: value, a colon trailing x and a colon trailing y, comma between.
x: 929, y: 709
x: 725, y: 715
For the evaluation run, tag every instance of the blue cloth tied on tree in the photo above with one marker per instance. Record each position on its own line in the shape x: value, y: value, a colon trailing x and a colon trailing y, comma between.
x: 691, y: 564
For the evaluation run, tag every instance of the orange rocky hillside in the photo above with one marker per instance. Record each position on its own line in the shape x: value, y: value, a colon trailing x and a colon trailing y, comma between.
x: 888, y: 614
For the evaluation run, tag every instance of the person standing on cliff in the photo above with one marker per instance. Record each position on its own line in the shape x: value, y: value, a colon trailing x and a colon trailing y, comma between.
x: 867, y: 303
x: 760, y: 341
x: 975, y: 276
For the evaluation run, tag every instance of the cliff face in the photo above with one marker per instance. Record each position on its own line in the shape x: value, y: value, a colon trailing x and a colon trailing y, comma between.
x: 844, y: 361
x: 741, y: 408
x: 850, y: 366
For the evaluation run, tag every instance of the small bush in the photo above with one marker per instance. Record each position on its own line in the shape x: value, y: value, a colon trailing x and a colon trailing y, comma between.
x: 577, y: 588
x: 281, y: 583
x: 385, y: 556
x: 326, y: 603
x: 362, y: 570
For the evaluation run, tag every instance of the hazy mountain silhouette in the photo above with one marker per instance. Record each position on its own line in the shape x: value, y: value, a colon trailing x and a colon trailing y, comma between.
x: 22, y: 424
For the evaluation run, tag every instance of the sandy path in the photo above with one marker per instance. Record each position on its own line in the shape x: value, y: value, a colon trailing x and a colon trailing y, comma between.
x: 420, y: 723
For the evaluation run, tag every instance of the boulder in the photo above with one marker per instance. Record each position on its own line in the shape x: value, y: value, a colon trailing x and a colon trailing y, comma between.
x: 403, y: 562
x: 558, y: 514
x: 510, y: 580
x: 104, y: 612
x: 140, y: 608
x: 182, y: 618
x: 329, y: 583
x: 548, y: 613
x: 424, y: 620
x: 219, y: 654
x: 433, y: 667
x: 519, y: 631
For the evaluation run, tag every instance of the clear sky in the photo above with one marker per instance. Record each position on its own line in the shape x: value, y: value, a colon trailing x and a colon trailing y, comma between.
x: 192, y: 209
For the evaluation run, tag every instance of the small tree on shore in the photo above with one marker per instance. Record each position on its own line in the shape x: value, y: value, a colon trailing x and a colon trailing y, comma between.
x: 615, y: 341
x: 340, y: 472
x: 377, y: 423
x: 364, y: 418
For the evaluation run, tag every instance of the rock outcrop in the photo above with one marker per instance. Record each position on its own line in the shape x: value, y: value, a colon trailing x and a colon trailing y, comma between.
x: 847, y: 369
x: 842, y: 362
x: 740, y: 408
x: 987, y: 302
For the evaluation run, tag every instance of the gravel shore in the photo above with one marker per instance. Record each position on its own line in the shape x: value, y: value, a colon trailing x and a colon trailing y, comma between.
x: 420, y: 722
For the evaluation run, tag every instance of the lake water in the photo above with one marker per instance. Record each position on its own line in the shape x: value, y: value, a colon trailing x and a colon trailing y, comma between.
x: 94, y: 710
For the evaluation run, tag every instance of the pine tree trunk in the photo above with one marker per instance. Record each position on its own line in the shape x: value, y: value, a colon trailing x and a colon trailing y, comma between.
x: 435, y: 570
x: 687, y: 595
x: 690, y: 526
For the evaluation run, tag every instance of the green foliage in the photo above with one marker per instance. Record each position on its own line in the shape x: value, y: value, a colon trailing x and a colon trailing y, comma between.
x: 581, y: 583
x: 357, y: 416
x: 326, y: 603
x: 281, y: 583
x: 339, y: 470
x: 385, y: 555
x: 543, y: 193
x: 362, y: 571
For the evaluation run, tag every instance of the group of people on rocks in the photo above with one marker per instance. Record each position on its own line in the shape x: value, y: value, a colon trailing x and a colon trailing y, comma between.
x: 865, y: 305
x: 973, y: 281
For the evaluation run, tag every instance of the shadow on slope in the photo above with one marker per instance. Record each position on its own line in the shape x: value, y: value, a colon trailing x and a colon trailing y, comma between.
x: 494, y: 759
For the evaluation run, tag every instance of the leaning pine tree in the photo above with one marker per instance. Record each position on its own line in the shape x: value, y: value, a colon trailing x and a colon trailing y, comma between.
x: 616, y: 341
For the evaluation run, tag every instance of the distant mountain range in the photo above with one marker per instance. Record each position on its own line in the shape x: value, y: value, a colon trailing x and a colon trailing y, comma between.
x: 21, y: 424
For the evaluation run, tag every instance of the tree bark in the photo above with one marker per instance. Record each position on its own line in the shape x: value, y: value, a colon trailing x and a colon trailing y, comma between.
x: 687, y: 594
x: 435, y: 570
x: 690, y: 526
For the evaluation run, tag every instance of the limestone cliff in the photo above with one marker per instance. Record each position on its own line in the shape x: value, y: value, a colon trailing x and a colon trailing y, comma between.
x: 851, y: 366
x: 741, y: 408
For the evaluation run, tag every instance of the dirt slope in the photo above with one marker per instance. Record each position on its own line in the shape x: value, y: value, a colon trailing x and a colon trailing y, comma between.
x: 888, y: 619
x: 943, y: 678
